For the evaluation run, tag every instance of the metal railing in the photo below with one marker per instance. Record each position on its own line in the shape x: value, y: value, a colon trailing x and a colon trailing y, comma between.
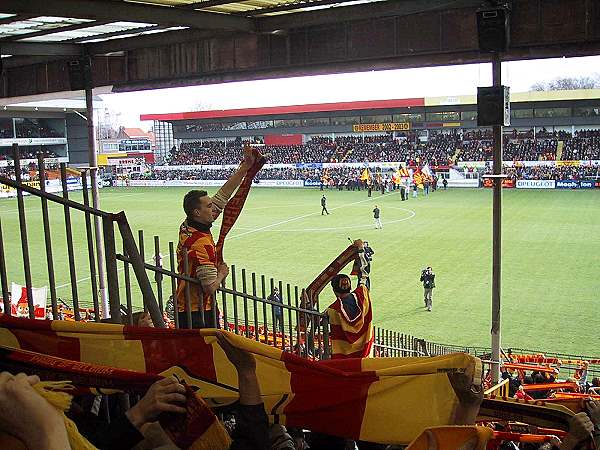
x: 499, y: 390
x: 243, y: 299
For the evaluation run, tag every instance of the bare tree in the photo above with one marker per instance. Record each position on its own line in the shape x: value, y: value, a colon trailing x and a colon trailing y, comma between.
x: 568, y: 83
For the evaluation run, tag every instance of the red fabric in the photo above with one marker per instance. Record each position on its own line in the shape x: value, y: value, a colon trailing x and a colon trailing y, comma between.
x: 350, y: 396
x: 283, y: 139
x: 522, y: 395
x: 234, y: 206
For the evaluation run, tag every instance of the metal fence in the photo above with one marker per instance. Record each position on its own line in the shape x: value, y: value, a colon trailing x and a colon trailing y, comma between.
x: 243, y: 299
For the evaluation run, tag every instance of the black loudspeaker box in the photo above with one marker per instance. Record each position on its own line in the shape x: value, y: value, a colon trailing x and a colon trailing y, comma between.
x: 493, y: 106
x: 493, y: 29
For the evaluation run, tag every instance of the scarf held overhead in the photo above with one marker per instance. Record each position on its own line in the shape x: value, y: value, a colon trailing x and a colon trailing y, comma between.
x: 355, y: 398
x: 234, y: 206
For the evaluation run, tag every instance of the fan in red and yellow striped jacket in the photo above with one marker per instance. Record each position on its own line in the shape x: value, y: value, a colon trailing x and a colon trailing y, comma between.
x: 350, y: 316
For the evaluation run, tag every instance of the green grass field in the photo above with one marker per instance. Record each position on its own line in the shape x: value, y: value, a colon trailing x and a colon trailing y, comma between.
x: 551, y: 254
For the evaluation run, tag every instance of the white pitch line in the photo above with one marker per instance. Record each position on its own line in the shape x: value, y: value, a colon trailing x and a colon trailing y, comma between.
x: 350, y: 227
x: 304, y: 216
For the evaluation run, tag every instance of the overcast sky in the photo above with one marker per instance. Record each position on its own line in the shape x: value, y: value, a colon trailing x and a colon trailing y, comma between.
x: 390, y: 84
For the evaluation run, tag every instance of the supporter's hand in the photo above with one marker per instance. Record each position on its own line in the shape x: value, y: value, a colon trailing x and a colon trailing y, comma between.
x: 223, y: 270
x: 580, y: 429
x: 248, y: 157
x: 581, y: 426
x: 241, y: 359
x: 593, y: 408
x: 166, y: 395
x: 467, y: 392
x: 26, y: 415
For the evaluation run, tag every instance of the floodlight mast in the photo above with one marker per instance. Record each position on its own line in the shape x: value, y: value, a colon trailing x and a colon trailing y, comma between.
x: 496, y: 231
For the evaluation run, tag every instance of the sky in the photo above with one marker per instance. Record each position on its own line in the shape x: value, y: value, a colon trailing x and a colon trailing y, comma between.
x: 374, y: 85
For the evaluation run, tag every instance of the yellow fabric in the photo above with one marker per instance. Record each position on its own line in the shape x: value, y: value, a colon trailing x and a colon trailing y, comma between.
x: 214, y: 438
x: 62, y: 401
x: 453, y: 438
x: 412, y: 391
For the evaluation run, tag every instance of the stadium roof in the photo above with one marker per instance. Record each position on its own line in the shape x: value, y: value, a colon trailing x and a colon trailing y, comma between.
x: 294, y: 109
x: 579, y: 94
x: 148, y: 44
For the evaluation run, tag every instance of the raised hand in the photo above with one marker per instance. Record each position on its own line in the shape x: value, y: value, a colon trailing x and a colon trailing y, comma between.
x: 241, y: 359
x: 166, y: 395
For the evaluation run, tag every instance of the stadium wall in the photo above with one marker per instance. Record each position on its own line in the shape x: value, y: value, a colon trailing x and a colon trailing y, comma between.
x: 52, y: 186
x: 165, y: 183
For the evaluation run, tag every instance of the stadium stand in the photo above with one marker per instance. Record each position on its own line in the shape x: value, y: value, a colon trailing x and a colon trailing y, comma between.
x: 439, y: 149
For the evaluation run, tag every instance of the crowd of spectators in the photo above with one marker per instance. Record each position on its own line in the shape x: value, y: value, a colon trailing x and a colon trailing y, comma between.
x: 437, y: 149
x: 584, y: 147
x: 552, y: 172
x: 350, y: 176
x: 32, y: 130
x: 30, y: 154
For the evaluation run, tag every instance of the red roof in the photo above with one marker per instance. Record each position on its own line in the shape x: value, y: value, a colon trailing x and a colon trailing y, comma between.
x: 295, y: 109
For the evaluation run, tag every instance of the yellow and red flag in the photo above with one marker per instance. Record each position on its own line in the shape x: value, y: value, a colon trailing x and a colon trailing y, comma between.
x: 355, y: 398
x: 365, y: 176
x: 419, y: 178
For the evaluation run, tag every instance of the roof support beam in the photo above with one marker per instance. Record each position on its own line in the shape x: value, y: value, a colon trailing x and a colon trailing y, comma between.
x: 292, y: 6
x: 359, y: 12
x: 15, y: 18
x: 207, y: 4
x: 76, y: 26
x: 40, y: 49
x: 131, y: 12
x: 116, y: 33
x: 150, y: 40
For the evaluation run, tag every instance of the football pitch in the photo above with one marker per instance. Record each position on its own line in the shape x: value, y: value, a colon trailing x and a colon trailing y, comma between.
x: 551, y: 254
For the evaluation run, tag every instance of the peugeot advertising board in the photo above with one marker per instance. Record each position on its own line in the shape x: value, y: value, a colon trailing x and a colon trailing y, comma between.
x: 536, y: 184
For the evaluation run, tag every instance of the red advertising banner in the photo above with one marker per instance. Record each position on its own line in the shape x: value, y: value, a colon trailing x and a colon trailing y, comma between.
x: 283, y: 139
x: 507, y: 183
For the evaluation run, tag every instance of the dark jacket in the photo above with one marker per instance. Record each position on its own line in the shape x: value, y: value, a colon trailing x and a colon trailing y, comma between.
x: 277, y: 310
x: 251, y: 428
x: 428, y: 280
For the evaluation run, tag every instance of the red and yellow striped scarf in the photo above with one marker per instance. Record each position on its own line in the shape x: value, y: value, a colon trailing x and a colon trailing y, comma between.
x: 356, y: 398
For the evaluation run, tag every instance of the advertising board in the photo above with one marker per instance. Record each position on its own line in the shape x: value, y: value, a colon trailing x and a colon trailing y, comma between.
x: 374, y: 127
x: 261, y: 183
x: 536, y: 184
x: 567, y: 184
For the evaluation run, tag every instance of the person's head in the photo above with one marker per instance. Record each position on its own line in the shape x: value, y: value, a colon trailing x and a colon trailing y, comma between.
x: 341, y: 284
x: 198, y: 206
x: 275, y: 290
x: 142, y: 319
